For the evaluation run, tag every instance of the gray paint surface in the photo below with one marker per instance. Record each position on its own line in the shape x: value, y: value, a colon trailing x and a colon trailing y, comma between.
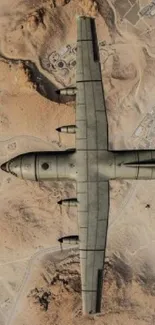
x: 92, y: 191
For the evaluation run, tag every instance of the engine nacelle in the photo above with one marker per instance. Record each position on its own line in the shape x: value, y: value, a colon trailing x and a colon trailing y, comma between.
x: 72, y: 202
x: 69, y: 91
x: 67, y: 129
x: 72, y: 239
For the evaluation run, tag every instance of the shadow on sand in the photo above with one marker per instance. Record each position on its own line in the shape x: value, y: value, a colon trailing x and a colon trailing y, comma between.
x: 43, y: 85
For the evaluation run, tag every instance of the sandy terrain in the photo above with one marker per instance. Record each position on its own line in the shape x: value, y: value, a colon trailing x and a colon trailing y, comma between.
x: 37, y: 56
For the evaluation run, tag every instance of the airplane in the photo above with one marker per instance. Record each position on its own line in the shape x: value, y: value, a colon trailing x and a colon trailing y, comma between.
x: 92, y: 164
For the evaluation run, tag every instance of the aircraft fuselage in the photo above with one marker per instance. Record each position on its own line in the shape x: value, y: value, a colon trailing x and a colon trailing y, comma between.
x: 37, y: 166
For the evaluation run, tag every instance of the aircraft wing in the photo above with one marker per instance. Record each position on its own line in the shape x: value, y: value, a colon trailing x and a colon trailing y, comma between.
x: 91, y: 141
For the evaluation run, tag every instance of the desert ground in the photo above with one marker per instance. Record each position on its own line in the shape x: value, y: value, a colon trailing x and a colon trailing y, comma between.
x: 39, y: 283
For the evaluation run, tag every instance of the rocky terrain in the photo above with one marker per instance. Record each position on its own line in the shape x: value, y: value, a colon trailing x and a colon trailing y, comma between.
x: 38, y: 283
x: 53, y: 294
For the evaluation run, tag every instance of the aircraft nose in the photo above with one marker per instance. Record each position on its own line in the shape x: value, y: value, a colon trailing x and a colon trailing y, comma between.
x: 4, y: 167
